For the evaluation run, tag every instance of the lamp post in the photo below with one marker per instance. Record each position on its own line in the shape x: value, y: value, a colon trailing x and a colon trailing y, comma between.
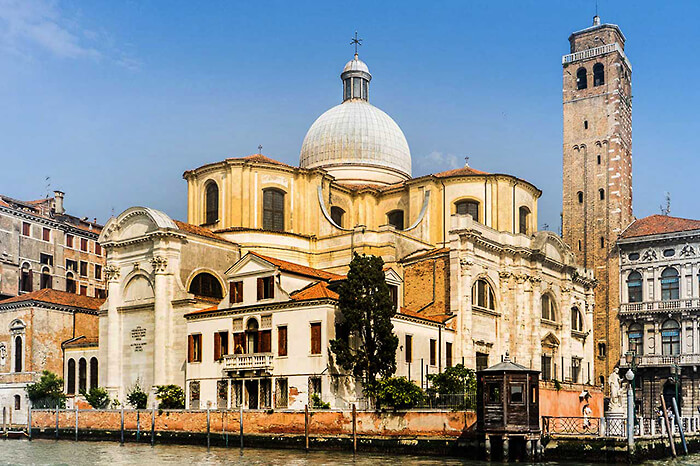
x: 676, y: 376
x: 633, y: 360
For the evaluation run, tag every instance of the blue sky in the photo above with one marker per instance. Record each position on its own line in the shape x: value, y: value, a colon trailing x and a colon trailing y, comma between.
x: 114, y: 100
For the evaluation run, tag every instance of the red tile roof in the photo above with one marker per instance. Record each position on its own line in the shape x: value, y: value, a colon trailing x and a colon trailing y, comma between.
x: 62, y: 298
x: 318, y: 290
x: 424, y: 254
x: 659, y: 224
x: 259, y: 158
x: 82, y: 342
x: 298, y: 269
x: 460, y: 172
x: 433, y: 318
x: 200, y: 231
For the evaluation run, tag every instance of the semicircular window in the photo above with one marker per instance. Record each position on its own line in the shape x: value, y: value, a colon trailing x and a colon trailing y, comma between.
x: 206, y: 284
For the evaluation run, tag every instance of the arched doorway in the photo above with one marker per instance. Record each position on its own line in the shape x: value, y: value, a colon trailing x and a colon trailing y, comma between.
x: 670, y: 394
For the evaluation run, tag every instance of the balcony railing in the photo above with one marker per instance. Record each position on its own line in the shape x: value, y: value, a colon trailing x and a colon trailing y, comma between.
x: 242, y: 362
x: 594, y: 52
x: 660, y: 360
x: 661, y: 306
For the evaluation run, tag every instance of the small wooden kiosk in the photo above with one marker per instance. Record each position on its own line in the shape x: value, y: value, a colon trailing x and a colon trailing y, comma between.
x: 508, y: 410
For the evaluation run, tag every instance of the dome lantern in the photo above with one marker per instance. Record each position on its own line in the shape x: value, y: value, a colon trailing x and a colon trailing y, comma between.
x: 356, y: 78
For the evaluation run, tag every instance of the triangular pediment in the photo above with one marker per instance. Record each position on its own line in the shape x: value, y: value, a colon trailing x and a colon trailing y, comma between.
x: 550, y: 341
x: 250, y: 264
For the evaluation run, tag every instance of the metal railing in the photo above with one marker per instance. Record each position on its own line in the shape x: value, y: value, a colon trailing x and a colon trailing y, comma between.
x: 615, y: 426
x: 572, y: 425
x: 248, y: 361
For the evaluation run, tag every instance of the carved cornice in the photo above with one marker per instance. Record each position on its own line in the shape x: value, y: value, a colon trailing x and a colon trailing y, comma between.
x: 111, y: 272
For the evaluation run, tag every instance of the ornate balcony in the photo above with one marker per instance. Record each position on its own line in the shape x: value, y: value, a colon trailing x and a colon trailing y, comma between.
x: 661, y: 360
x: 248, y: 362
x: 672, y: 306
x: 594, y: 52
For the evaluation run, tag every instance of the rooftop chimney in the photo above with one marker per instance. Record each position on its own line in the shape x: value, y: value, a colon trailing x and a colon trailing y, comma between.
x: 58, y: 202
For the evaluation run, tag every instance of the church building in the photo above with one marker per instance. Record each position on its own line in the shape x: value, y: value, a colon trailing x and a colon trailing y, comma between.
x: 189, y: 302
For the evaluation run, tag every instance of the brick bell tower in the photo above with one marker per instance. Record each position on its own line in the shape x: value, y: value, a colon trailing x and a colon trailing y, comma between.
x: 597, y: 175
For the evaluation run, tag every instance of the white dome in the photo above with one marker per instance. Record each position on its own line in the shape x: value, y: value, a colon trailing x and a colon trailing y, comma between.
x: 356, y: 65
x: 355, y: 140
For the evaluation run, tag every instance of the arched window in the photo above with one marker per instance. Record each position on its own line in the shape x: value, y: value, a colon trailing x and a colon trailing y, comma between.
x: 46, y: 278
x: 634, y: 287
x: 581, y: 79
x: 524, y: 220
x: 337, y: 215
x: 273, y: 210
x: 598, y: 74
x: 601, y: 194
x: 669, y: 284
x: 212, y: 203
x: 70, y: 283
x: 19, y: 359
x: 82, y: 375
x: 670, y: 338
x: 93, y: 373
x: 576, y: 319
x: 206, y: 284
x: 18, y: 402
x: 25, y: 281
x: 468, y: 207
x: 70, y: 381
x: 252, y: 336
x: 580, y: 197
x: 395, y: 219
x: 635, y: 338
x: 482, y: 295
x: 549, y: 310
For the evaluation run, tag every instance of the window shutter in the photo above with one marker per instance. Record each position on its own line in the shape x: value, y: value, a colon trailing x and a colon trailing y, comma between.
x: 271, y: 287
x: 282, y: 341
x: 232, y: 293
x: 266, y: 341
x: 31, y: 280
x: 261, y: 288
x: 190, y: 348
x: 316, y: 338
x: 217, y: 346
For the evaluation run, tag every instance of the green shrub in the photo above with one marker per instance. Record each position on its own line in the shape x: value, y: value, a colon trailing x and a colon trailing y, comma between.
x: 318, y: 403
x: 398, y: 393
x: 455, y: 380
x: 97, y: 397
x: 137, y: 398
x: 170, y: 397
x: 47, y: 392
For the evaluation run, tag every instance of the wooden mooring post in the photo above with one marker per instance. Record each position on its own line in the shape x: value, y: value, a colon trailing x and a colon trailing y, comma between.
x: 76, y: 422
x: 208, y: 429
x: 668, y: 426
x: 306, y: 427
x: 138, y: 425
x: 121, y: 437
x: 153, y: 425
x: 29, y: 420
x: 56, y: 422
x: 4, y: 420
x: 354, y: 428
x: 240, y: 423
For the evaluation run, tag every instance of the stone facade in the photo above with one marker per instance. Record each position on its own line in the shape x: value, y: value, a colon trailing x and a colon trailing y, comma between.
x: 33, y: 328
x: 660, y: 310
x: 43, y: 247
x: 597, y: 170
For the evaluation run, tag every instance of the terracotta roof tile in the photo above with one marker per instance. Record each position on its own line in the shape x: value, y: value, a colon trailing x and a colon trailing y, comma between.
x: 299, y: 269
x: 460, y: 172
x: 659, y: 224
x: 259, y: 158
x: 82, y: 342
x: 62, y: 298
x: 434, y: 318
x: 200, y: 231
x: 424, y: 254
x: 318, y: 290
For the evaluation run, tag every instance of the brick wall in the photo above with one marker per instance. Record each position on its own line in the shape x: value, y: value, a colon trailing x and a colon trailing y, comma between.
x: 427, y: 284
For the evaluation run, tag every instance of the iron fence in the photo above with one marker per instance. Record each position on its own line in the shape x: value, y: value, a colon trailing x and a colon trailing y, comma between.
x: 571, y: 425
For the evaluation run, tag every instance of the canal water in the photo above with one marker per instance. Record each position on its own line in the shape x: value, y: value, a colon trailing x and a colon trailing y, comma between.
x: 51, y: 452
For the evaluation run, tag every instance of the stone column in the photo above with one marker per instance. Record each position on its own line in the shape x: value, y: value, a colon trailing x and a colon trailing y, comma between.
x: 113, y: 360
x: 657, y: 338
x: 161, y: 328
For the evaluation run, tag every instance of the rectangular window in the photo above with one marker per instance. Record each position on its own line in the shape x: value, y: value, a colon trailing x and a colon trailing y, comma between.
x: 237, y: 394
x: 26, y: 280
x: 394, y: 292
x: 493, y: 393
x: 220, y: 345
x: 83, y: 244
x: 266, y: 341
x: 46, y: 234
x: 194, y: 394
x: 83, y: 290
x: 482, y: 361
x: 282, y: 341
x: 71, y: 265
x: 433, y: 352
x: 316, y: 338
x: 575, y: 369
x: 98, y: 271
x: 409, y: 348
x: 516, y: 393
x: 26, y: 229
x: 239, y: 343
x: 100, y: 293
x: 46, y: 259
x: 281, y: 393
x: 314, y: 387
x: 194, y: 348
x: 448, y: 354
x: 98, y: 249
x: 236, y: 294
x: 266, y: 288
x: 69, y: 241
x: 546, y: 367
x: 222, y: 394
x: 83, y: 269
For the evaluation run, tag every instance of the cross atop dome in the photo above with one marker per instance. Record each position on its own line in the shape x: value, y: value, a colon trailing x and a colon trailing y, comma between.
x: 355, y: 41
